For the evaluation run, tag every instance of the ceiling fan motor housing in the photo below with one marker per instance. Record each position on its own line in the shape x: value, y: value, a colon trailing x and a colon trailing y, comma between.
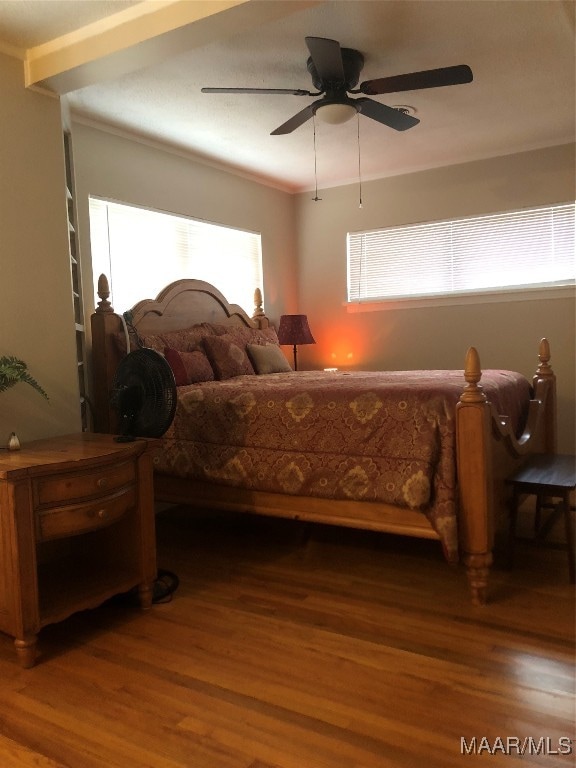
x: 352, y: 62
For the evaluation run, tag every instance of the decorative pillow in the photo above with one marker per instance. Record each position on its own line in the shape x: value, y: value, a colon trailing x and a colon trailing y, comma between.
x: 187, y: 339
x: 247, y: 335
x: 263, y: 336
x: 189, y: 367
x: 152, y: 341
x: 228, y: 356
x: 268, y: 358
x: 183, y: 340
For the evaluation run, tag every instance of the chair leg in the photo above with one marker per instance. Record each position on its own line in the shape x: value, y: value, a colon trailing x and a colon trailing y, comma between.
x: 556, y: 511
x: 513, y: 516
x: 569, y: 537
x: 538, y: 513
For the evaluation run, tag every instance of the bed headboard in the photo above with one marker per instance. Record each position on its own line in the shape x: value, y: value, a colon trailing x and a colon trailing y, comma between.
x: 180, y: 305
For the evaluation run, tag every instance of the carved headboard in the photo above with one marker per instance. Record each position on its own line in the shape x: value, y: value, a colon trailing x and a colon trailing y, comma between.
x: 180, y: 305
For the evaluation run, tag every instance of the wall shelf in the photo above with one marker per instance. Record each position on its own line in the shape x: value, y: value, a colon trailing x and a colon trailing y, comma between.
x: 76, y: 277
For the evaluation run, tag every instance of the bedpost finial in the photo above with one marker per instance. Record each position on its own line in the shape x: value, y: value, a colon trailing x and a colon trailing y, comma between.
x: 544, y: 367
x: 258, y: 310
x: 472, y: 392
x: 104, y: 291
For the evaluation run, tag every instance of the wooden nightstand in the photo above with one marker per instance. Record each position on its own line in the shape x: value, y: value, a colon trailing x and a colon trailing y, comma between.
x: 76, y: 528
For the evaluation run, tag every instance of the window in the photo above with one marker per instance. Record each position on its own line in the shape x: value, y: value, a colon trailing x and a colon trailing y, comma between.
x: 504, y: 251
x: 141, y: 251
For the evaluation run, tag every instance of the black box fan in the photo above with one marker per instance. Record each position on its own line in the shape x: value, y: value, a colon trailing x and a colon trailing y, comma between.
x: 144, y: 394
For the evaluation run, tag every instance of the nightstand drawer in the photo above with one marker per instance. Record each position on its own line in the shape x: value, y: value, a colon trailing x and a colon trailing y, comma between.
x: 71, y: 486
x: 72, y: 519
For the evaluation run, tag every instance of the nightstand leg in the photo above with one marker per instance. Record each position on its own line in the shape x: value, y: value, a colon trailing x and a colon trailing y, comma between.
x: 145, y: 593
x: 26, y: 650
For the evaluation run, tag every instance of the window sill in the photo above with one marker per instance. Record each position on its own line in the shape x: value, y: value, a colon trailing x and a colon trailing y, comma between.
x: 488, y: 297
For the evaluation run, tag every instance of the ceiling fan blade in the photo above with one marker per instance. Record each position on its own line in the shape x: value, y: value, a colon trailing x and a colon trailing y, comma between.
x: 327, y: 57
x: 414, y: 81
x: 289, y: 91
x: 295, y: 122
x: 389, y: 116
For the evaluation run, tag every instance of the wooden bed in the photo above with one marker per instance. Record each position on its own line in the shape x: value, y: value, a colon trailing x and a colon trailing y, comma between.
x: 487, y: 449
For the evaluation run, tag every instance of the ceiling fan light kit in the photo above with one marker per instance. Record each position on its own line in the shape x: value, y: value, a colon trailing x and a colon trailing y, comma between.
x: 335, y: 72
x: 335, y: 113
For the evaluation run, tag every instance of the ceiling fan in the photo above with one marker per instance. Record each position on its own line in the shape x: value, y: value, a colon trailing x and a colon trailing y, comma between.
x: 335, y: 72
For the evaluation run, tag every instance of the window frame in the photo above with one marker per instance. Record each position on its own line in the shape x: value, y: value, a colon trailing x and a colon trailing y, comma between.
x: 186, y: 224
x: 482, y: 295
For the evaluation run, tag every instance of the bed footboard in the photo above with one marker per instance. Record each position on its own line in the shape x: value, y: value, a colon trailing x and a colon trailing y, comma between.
x: 487, y: 450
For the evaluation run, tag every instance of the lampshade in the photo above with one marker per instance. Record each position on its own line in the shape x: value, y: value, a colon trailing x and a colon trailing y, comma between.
x: 335, y: 114
x: 294, y: 329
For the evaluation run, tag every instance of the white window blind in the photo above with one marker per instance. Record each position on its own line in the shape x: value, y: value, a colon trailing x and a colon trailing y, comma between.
x: 142, y: 250
x: 503, y: 251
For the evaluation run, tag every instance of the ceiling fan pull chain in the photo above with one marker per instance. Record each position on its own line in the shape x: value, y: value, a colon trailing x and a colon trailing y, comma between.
x: 315, y: 198
x: 359, y: 165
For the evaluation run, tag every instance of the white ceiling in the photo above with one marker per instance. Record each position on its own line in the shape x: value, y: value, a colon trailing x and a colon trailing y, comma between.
x: 522, y: 54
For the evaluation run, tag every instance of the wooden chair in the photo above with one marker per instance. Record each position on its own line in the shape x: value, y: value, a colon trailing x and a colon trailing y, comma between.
x: 547, y: 476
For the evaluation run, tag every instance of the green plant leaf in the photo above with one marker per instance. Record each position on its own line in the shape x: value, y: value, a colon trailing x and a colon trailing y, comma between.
x: 14, y: 370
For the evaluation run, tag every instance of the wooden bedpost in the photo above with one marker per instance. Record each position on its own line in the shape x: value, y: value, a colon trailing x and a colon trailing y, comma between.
x: 475, y: 482
x: 105, y: 324
x: 258, y: 315
x: 544, y: 383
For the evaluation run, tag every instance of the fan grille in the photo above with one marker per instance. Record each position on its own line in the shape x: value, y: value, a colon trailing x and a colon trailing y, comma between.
x: 144, y: 394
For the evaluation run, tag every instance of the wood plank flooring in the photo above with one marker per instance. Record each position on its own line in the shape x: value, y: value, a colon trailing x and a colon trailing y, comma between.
x: 297, y: 646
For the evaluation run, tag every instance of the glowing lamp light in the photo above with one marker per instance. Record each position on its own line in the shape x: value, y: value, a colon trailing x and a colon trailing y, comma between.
x: 335, y: 114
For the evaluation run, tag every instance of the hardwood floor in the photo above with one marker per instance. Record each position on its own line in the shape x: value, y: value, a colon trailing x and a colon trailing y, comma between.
x: 295, y: 646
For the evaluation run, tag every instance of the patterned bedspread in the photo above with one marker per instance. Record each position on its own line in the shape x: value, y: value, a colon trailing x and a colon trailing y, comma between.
x: 370, y: 436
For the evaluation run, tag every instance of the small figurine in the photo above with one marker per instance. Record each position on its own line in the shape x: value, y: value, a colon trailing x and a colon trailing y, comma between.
x: 13, y: 442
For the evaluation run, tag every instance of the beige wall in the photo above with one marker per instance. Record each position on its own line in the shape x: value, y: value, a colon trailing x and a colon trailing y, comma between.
x: 36, y: 313
x: 128, y: 171
x: 506, y: 333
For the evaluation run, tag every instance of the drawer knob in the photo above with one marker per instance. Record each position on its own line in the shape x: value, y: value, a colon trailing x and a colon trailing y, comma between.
x: 102, y: 482
x: 102, y: 514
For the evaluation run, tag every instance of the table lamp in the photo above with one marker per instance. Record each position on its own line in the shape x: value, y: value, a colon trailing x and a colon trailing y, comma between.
x: 293, y: 329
